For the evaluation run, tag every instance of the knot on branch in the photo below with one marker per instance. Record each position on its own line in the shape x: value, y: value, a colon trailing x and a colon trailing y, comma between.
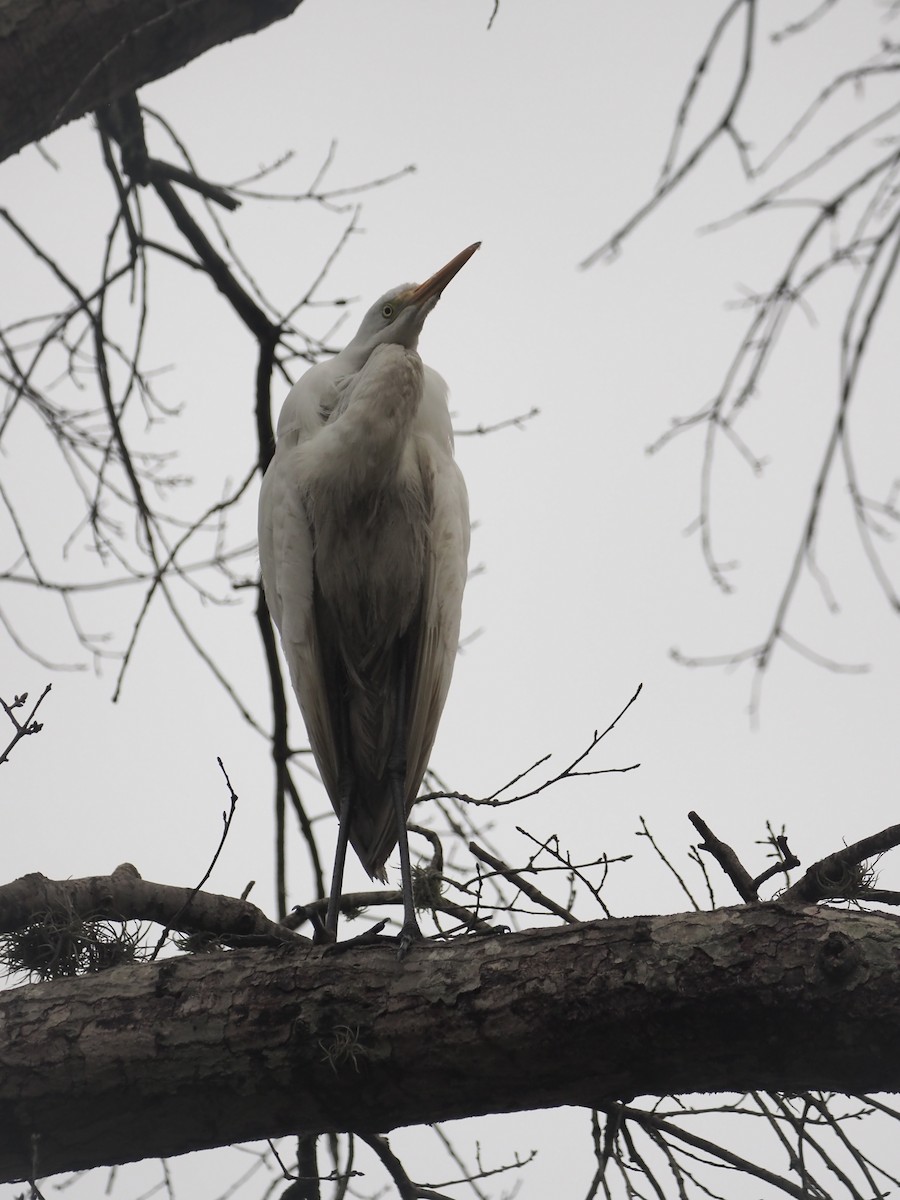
x: 839, y: 957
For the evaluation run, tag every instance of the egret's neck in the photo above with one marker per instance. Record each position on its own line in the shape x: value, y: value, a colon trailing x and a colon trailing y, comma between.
x: 371, y: 425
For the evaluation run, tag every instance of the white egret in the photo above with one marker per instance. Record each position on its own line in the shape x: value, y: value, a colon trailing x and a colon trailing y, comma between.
x: 363, y: 540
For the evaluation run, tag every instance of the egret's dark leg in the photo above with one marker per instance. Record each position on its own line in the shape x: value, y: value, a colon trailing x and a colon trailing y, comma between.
x: 337, y: 878
x: 409, y: 930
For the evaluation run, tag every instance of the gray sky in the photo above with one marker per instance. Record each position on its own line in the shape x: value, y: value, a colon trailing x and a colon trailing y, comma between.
x: 537, y: 138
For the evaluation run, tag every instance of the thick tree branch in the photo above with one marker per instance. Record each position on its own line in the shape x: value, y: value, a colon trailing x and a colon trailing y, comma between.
x: 209, y: 1050
x: 842, y: 874
x: 60, y: 59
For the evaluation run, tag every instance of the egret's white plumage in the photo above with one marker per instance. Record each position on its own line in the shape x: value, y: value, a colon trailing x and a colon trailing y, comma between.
x: 363, y: 539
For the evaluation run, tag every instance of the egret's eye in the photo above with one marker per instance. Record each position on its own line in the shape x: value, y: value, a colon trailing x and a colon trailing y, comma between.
x: 387, y: 311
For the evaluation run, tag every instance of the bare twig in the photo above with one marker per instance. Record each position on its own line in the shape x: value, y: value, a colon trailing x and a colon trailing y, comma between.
x: 853, y: 232
x: 671, y: 176
x: 645, y: 832
x: 21, y: 728
x: 528, y: 889
x: 406, y: 1189
x: 227, y: 818
x: 568, y: 772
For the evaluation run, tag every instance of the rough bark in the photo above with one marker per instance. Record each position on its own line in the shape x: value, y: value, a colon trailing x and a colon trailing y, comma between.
x: 62, y: 58
x: 203, y: 1051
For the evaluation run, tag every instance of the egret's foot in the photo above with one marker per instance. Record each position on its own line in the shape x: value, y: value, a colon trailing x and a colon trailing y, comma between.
x: 409, y: 934
x: 322, y: 936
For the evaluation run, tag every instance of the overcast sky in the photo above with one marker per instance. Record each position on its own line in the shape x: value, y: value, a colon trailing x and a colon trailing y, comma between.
x: 537, y: 137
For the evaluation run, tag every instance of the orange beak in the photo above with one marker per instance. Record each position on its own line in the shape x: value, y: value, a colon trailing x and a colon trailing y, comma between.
x: 435, y: 285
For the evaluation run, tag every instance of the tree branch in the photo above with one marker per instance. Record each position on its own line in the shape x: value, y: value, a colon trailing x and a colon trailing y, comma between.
x: 839, y: 876
x: 125, y: 896
x: 102, y: 50
x: 225, y: 1047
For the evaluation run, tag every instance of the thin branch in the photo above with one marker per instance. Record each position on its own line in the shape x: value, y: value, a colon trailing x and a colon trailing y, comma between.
x: 727, y: 860
x: 22, y: 729
x: 671, y: 176
x: 516, y: 879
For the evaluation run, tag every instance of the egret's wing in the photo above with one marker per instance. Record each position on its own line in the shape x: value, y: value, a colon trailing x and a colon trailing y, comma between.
x: 442, y: 596
x: 436, y: 631
x: 286, y: 561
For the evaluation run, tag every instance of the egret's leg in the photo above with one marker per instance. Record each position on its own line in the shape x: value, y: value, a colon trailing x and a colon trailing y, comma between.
x: 337, y: 878
x: 409, y: 931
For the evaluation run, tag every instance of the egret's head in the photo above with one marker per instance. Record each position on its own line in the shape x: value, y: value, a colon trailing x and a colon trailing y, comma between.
x: 397, y: 318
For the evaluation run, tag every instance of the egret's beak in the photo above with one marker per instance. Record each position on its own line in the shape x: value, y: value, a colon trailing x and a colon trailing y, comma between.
x: 432, y: 288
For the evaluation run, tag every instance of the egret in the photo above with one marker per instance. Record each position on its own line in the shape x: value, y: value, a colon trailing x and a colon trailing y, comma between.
x: 363, y: 541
